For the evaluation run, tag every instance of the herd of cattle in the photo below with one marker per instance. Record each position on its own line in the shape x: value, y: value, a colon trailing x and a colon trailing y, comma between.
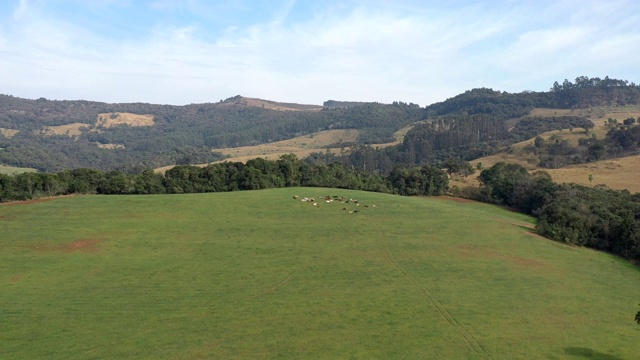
x: 335, y: 199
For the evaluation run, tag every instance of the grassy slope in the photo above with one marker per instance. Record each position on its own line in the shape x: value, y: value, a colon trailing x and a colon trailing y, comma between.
x: 301, y: 146
x: 259, y: 275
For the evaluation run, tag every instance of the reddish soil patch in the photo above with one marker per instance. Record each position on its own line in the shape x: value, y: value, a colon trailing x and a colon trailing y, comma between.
x: 470, y: 251
x: 85, y: 245
x: 15, y: 279
x: 454, y: 199
x: 33, y: 201
x: 525, y: 225
x: 527, y: 262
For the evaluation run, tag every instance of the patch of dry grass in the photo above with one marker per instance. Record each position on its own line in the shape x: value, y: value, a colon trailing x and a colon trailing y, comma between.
x: 110, y: 146
x: 69, y: 130
x: 301, y: 146
x: 14, y: 170
x: 108, y: 120
x: 619, y: 174
x: 8, y: 133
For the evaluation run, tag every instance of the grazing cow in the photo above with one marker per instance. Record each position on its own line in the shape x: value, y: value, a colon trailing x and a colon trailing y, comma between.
x: 295, y: 197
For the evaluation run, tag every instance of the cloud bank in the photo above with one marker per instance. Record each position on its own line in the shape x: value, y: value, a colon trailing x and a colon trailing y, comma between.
x: 179, y: 52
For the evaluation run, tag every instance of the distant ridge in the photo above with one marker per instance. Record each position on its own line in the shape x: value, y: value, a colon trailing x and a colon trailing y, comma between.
x: 343, y: 104
x: 268, y: 104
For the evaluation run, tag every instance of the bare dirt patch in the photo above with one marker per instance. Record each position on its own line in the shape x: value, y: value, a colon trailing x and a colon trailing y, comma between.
x: 15, y: 279
x: 108, y: 120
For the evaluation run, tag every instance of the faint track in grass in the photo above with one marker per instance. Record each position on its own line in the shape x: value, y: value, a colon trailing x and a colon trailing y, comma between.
x: 446, y: 315
x: 265, y: 292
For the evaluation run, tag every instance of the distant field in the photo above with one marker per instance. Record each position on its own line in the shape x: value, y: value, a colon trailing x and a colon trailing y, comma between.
x: 597, y: 114
x: 14, y: 170
x: 257, y: 275
x: 304, y: 145
x: 70, y: 130
x: 301, y: 146
x: 620, y: 174
x: 108, y: 120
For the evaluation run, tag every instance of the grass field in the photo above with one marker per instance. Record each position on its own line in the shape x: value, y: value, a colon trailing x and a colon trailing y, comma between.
x: 260, y: 275
x: 301, y: 146
x: 14, y: 170
x: 305, y: 145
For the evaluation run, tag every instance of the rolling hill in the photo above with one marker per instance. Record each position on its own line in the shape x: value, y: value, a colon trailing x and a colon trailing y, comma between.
x: 56, y: 135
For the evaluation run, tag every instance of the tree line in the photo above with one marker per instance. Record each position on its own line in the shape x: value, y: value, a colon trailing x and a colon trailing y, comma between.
x: 288, y: 171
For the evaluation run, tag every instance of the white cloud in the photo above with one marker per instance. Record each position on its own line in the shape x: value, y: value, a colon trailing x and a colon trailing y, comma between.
x: 21, y: 10
x: 367, y: 53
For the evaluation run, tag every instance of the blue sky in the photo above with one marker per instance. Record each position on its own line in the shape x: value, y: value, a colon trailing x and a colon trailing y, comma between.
x: 194, y: 51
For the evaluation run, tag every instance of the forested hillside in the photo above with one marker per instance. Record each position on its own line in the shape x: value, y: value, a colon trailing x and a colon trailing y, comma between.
x: 55, y: 135
x: 481, y: 122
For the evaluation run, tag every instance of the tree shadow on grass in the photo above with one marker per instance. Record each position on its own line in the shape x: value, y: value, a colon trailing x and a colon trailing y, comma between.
x: 586, y: 353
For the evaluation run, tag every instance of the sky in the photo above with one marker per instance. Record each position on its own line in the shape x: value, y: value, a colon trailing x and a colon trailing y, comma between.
x: 196, y: 51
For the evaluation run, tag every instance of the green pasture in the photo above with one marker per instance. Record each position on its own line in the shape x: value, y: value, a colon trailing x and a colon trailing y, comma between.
x: 259, y: 275
x: 14, y: 170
